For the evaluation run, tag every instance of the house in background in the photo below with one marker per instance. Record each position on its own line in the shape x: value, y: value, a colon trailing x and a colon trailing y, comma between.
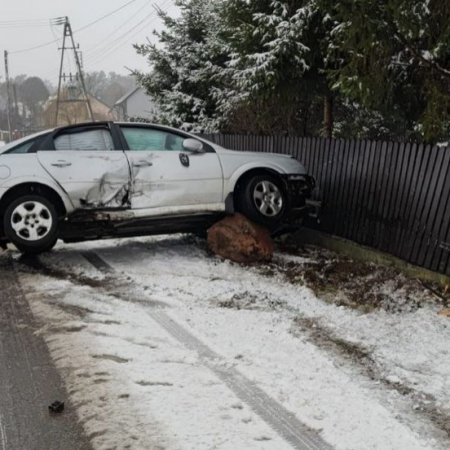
x: 75, y: 111
x: 135, y: 105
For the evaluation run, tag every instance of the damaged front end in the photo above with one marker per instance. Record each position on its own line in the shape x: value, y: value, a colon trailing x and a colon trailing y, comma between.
x: 301, y: 190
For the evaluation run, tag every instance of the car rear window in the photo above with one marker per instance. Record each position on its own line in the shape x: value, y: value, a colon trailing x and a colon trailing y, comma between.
x: 25, y: 147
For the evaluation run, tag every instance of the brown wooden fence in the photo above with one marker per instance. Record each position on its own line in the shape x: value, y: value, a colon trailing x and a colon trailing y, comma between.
x: 391, y: 196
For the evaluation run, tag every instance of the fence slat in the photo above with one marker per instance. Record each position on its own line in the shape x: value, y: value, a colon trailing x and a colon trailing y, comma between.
x: 428, y: 201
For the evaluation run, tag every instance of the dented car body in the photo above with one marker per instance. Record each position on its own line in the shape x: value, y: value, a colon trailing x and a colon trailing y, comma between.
x: 108, y: 179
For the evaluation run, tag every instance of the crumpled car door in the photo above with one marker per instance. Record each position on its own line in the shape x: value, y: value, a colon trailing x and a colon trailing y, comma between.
x: 87, y: 166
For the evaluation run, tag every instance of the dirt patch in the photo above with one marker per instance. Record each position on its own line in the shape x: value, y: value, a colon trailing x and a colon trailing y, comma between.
x: 154, y: 383
x: 33, y: 264
x: 355, y: 284
x: 251, y: 301
x: 73, y: 310
x: 69, y: 328
x: 114, y: 358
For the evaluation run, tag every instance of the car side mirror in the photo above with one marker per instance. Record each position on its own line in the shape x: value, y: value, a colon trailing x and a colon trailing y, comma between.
x: 194, y: 146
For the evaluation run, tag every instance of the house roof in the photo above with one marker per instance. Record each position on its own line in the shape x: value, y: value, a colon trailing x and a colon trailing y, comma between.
x: 127, y: 96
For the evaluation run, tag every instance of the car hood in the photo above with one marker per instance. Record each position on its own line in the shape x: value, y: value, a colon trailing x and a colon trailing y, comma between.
x: 226, y: 151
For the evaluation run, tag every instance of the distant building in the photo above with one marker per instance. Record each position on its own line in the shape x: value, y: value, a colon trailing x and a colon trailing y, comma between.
x: 135, y: 105
x: 76, y: 112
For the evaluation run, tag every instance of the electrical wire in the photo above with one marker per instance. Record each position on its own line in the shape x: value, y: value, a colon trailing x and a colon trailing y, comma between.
x: 106, y: 38
x: 45, y: 44
x: 29, y: 49
x: 23, y: 23
x: 103, y: 52
x: 123, y: 38
x: 112, y: 46
x: 119, y: 44
x: 105, y: 16
x: 23, y: 20
x: 113, y: 49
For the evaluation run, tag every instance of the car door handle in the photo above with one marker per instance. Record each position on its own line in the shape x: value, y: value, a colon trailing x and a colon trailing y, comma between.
x: 61, y: 164
x: 142, y: 164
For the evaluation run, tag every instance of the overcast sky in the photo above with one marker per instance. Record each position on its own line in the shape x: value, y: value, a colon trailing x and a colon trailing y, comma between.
x: 106, y: 45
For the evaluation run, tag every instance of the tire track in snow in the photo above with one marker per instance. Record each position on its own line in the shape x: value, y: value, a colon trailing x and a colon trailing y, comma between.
x: 424, y: 404
x: 283, y: 422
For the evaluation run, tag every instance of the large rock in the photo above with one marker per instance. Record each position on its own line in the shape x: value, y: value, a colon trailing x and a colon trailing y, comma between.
x: 240, y: 240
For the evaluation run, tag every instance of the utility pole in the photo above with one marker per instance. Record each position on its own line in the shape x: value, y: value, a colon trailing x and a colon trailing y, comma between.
x: 68, y: 34
x: 8, y: 94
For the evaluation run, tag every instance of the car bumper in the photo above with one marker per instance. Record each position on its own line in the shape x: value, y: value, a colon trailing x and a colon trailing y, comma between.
x: 299, y: 190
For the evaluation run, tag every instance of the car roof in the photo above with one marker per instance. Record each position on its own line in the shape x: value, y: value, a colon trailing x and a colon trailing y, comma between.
x: 12, y: 144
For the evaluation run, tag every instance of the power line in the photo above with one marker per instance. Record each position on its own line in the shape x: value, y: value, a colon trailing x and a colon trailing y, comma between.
x: 104, y: 51
x: 23, y: 25
x: 137, y: 28
x: 45, y: 44
x: 105, y: 16
x: 13, y: 23
x: 96, y: 49
x: 111, y: 47
x: 22, y: 21
x: 106, y: 38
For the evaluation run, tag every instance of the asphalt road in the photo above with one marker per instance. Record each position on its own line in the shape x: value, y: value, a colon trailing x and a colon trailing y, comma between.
x: 29, y: 382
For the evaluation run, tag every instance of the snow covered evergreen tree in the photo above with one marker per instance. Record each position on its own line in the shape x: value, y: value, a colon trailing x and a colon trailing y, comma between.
x: 395, y: 59
x: 275, y: 73
x: 380, y: 67
x: 186, y: 66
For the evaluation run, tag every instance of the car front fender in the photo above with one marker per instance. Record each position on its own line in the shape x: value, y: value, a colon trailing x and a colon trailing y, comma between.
x: 230, y: 183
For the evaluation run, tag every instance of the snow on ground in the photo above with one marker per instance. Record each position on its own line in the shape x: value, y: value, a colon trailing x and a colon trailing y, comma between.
x: 376, y: 380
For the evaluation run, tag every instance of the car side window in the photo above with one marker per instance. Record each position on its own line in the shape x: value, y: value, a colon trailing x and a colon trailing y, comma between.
x: 21, y: 149
x: 97, y: 139
x: 140, y: 139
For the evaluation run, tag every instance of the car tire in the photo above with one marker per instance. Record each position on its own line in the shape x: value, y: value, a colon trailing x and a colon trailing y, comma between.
x: 31, y: 224
x: 263, y: 200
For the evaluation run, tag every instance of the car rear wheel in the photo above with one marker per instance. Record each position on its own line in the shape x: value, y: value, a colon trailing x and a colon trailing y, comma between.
x: 31, y: 224
x: 263, y: 200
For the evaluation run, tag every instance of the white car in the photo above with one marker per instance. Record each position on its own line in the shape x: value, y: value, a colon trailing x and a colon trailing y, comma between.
x: 105, y: 179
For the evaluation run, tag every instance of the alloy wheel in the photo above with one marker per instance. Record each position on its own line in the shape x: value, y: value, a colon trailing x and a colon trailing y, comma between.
x: 268, y: 198
x: 31, y: 220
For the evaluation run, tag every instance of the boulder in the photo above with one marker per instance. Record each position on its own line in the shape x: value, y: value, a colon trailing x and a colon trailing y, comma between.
x: 238, y: 239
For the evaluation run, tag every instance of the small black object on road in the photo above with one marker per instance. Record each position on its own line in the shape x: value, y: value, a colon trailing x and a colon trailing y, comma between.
x: 56, y: 407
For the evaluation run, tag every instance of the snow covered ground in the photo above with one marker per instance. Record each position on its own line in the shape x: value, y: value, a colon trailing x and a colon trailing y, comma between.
x: 363, y: 378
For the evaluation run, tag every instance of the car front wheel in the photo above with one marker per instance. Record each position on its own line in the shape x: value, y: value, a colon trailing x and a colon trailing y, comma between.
x: 263, y: 200
x: 31, y: 224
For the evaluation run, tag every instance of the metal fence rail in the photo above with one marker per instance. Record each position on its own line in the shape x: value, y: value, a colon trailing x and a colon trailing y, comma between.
x: 391, y: 196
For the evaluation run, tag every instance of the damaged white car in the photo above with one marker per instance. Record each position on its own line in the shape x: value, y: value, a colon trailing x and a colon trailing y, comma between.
x: 105, y: 179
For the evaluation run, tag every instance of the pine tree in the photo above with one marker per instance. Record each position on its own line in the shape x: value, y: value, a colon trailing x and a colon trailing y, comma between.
x: 187, y: 66
x: 395, y: 58
x: 276, y: 68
